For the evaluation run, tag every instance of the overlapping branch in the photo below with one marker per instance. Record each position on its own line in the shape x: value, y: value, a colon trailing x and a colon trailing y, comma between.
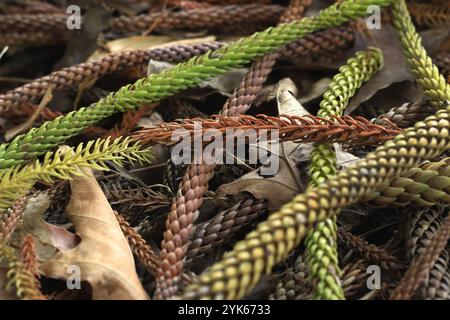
x: 274, y: 238
x: 158, y: 86
x: 303, y: 129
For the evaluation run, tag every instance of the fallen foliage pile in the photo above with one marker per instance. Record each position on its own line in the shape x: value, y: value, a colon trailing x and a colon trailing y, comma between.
x: 97, y: 99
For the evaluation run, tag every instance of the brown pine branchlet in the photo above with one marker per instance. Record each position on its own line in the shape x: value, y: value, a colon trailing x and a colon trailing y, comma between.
x: 138, y: 245
x: 29, y: 258
x: 370, y: 252
x: 218, y: 229
x: 422, y: 265
x: 406, y: 115
x: 303, y: 129
x: 9, y: 219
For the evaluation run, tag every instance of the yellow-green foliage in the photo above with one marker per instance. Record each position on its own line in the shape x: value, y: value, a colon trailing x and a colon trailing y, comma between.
x: 19, y: 279
x: 65, y: 163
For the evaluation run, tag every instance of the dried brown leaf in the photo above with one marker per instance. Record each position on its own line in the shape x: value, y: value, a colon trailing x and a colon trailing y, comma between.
x: 48, y: 238
x: 278, y: 189
x: 103, y: 255
x: 284, y: 185
x: 226, y: 83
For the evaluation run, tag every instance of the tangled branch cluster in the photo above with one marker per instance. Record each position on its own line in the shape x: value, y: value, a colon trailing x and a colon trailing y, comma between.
x: 406, y: 167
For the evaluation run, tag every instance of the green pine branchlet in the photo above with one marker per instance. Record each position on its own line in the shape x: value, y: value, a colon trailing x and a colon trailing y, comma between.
x: 426, y: 72
x: 19, y: 279
x: 321, y: 242
x: 351, y: 76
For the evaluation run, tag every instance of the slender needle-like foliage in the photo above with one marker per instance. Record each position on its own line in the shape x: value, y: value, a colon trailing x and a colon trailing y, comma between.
x: 66, y: 163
